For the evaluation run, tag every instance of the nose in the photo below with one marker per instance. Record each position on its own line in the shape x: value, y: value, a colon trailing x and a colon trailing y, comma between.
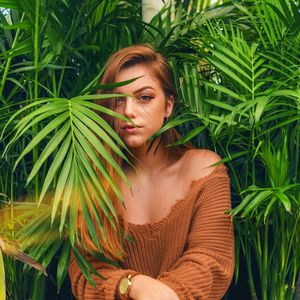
x: 129, y: 108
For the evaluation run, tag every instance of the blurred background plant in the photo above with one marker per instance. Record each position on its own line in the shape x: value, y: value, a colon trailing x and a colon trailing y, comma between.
x: 236, y: 67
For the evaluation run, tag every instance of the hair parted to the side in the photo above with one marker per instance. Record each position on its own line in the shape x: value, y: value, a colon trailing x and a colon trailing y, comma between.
x: 112, y: 246
x: 159, y: 69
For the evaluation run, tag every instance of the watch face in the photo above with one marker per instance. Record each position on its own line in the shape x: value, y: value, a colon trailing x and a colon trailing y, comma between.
x: 123, y: 286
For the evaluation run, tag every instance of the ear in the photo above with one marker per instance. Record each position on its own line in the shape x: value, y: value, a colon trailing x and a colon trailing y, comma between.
x: 169, y: 106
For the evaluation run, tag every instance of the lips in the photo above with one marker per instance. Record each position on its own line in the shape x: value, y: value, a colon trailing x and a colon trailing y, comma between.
x: 130, y: 126
x: 130, y: 129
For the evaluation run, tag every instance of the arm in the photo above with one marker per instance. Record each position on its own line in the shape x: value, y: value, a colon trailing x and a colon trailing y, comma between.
x: 105, y: 289
x: 144, y: 287
x: 206, y: 267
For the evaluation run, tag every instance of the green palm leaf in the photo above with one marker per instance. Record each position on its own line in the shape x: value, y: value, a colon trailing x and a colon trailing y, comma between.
x: 63, y: 263
x: 50, y: 147
x: 61, y: 182
x: 57, y: 162
x: 90, y: 152
x: 73, y: 147
x: 43, y: 134
x: 87, y: 174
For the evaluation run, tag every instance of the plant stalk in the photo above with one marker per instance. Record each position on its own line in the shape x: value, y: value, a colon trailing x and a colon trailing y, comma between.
x: 36, y: 73
x: 9, y: 60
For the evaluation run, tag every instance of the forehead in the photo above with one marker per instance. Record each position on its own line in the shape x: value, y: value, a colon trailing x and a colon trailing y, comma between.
x: 142, y: 71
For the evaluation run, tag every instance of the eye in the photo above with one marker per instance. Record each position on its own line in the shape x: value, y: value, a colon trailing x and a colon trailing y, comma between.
x: 120, y: 100
x: 145, y: 98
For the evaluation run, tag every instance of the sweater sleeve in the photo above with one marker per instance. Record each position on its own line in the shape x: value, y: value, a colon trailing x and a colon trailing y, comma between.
x: 206, y: 267
x: 106, y: 289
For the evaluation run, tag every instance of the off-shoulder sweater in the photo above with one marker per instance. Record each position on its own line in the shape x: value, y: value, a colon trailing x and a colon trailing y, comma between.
x: 191, y: 250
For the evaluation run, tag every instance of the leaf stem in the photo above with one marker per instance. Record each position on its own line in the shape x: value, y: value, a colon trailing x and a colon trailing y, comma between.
x: 36, y: 73
x: 8, y: 62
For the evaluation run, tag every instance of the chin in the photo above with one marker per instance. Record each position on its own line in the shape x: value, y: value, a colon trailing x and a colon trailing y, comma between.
x: 135, y: 143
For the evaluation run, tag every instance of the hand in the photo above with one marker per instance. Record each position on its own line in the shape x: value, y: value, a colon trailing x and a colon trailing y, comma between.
x: 147, y: 288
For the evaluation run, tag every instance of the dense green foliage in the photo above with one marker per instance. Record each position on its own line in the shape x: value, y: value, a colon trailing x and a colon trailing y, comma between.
x: 237, y: 69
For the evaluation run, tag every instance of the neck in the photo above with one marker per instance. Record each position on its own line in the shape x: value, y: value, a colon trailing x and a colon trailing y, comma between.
x: 151, y: 162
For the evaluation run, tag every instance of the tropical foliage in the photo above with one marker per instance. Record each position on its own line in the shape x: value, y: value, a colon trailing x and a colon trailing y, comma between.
x: 52, y: 54
x: 247, y: 108
x: 236, y: 66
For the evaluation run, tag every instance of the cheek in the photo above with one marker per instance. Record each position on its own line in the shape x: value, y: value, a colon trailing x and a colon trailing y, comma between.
x: 154, y: 118
x: 118, y: 126
x: 159, y: 113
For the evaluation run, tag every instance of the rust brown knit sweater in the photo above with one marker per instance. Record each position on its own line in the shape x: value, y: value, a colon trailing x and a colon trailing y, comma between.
x: 191, y: 249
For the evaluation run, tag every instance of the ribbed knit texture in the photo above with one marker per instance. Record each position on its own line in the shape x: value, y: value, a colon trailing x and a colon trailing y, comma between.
x: 191, y: 250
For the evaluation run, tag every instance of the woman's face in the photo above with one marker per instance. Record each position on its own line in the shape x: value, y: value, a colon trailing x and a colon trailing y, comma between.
x: 146, y: 107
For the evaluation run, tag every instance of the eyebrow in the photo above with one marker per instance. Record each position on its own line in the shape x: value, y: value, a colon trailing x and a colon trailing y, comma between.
x: 142, y: 88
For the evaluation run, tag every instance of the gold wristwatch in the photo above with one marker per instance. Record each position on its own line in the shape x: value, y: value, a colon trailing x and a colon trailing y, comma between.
x: 125, y: 286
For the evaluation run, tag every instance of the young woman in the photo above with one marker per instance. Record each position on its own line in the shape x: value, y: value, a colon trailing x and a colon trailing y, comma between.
x: 182, y: 242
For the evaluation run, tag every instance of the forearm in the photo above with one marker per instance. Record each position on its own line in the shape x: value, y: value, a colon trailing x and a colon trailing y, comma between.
x: 104, y: 288
x: 200, y: 276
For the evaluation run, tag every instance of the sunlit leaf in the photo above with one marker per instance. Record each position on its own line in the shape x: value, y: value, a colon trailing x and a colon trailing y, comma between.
x: 60, y: 187
x: 12, y: 250
x: 42, y: 134
x: 63, y: 263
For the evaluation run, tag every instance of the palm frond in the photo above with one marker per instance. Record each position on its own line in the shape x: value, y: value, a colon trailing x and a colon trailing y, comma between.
x: 72, y: 139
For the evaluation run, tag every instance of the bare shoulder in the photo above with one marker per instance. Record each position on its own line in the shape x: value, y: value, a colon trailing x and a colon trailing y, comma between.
x: 200, y: 163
